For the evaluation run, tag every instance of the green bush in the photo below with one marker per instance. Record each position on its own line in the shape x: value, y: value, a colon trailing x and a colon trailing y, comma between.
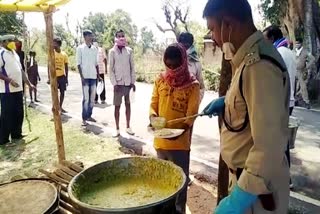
x: 212, y: 78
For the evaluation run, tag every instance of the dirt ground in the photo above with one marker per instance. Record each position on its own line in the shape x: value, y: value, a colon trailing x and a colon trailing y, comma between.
x: 200, y: 200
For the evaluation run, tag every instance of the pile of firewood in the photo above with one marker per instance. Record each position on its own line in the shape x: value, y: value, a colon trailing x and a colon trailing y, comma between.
x: 62, y: 175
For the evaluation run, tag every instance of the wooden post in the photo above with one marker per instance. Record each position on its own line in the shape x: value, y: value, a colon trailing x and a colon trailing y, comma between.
x: 53, y: 84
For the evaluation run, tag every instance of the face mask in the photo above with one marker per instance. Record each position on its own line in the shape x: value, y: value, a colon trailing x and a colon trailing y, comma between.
x: 227, y: 47
x: 121, y: 42
x: 11, y: 46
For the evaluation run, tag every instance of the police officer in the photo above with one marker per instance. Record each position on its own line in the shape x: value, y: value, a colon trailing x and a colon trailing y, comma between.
x: 255, y: 112
x: 11, y: 95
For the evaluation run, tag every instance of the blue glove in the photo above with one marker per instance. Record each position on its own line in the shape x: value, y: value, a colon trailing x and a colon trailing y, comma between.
x: 238, y: 202
x: 214, y: 108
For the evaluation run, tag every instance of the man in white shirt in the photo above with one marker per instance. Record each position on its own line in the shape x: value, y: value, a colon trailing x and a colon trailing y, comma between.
x: 274, y: 35
x: 11, y: 91
x: 87, y: 55
x: 123, y: 77
x: 102, y: 63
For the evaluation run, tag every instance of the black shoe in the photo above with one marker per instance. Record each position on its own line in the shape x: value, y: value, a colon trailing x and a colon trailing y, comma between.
x: 19, y: 137
x: 4, y: 142
x: 91, y: 120
x: 308, y: 106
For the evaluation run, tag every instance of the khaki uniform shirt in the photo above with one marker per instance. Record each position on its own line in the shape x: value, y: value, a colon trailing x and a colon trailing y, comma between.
x: 260, y: 148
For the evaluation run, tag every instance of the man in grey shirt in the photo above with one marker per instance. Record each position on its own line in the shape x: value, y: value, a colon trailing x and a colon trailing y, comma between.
x: 87, y: 55
x: 122, y: 76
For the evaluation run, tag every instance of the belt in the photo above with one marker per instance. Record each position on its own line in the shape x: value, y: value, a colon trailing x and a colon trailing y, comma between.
x: 267, y: 200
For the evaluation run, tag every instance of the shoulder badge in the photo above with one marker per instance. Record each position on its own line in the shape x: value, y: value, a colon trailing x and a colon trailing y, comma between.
x: 251, y: 58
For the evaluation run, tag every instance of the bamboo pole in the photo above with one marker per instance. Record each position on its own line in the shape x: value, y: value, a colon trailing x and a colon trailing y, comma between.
x: 53, y: 84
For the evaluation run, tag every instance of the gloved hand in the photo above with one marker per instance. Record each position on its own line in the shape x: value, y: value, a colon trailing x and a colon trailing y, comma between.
x: 238, y: 202
x: 215, y: 107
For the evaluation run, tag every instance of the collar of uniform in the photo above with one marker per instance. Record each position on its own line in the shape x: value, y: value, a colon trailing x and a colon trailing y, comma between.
x: 245, y: 47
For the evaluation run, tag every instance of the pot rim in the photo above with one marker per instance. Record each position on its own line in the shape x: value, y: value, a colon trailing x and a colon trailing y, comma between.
x: 101, y: 209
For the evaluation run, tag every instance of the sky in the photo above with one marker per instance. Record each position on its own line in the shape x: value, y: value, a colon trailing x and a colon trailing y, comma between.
x: 143, y: 12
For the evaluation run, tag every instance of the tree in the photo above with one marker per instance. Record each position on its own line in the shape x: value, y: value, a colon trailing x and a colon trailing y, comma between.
x: 120, y: 20
x: 223, y: 172
x: 300, y: 18
x: 68, y: 41
x: 96, y: 23
x: 104, y: 27
x: 147, y: 40
x: 11, y: 23
x: 176, y: 14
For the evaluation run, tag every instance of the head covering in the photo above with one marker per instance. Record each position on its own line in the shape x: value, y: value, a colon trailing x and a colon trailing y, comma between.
x: 87, y: 32
x: 7, y: 37
x: 120, y: 42
x: 179, y: 77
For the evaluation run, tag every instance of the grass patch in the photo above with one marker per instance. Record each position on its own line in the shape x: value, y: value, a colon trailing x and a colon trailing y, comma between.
x: 39, y: 149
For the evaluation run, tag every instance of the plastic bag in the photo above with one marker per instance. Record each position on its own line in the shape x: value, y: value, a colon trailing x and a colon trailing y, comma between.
x: 100, y: 87
x: 132, y: 96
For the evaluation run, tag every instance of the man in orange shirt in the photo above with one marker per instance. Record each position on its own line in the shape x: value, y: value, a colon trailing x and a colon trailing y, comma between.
x: 61, y: 66
x: 176, y: 94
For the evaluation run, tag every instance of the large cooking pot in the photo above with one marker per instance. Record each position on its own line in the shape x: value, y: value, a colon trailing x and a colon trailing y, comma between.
x: 111, y: 174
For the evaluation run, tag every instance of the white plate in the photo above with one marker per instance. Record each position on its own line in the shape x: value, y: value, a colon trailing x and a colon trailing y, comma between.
x: 171, y: 133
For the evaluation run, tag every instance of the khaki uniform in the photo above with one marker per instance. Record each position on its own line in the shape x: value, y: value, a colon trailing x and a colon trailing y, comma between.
x: 260, y: 148
x: 304, y: 62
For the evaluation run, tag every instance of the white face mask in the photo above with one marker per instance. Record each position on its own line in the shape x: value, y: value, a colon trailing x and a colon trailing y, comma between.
x: 227, y: 47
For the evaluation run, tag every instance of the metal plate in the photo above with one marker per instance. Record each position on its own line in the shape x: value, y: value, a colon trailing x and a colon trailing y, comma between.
x: 33, y: 196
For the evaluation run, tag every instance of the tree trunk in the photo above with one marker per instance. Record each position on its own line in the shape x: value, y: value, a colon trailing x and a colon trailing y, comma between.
x: 223, y: 173
x: 309, y: 33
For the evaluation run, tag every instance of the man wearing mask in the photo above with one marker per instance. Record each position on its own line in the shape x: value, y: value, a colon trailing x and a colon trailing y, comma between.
x: 255, y: 112
x: 11, y: 91
x: 123, y: 77
x: 304, y: 63
x: 194, y: 65
x: 87, y: 55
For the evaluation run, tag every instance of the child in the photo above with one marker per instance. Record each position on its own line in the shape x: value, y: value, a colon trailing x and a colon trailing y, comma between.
x: 176, y: 94
x: 33, y: 75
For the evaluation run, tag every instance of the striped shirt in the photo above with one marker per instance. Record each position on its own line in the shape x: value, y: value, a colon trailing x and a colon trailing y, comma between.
x: 121, y: 66
x: 102, y: 56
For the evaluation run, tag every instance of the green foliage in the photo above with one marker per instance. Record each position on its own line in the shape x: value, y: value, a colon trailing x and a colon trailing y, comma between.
x: 104, y: 26
x: 97, y: 24
x: 120, y: 20
x: 68, y: 44
x: 212, y: 78
x: 274, y: 10
x: 11, y: 23
x: 147, y: 40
